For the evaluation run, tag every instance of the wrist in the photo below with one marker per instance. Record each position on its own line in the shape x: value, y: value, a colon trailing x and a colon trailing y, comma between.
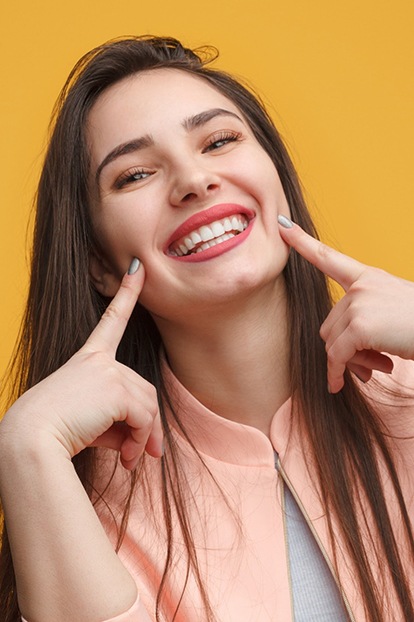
x: 24, y: 448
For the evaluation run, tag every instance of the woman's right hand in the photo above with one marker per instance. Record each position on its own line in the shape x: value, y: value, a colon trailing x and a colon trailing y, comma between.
x: 93, y: 400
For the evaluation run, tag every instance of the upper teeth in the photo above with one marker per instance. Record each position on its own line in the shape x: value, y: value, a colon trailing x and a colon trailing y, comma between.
x: 209, y: 235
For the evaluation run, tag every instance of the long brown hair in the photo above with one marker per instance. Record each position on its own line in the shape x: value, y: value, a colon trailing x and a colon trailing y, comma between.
x: 63, y: 308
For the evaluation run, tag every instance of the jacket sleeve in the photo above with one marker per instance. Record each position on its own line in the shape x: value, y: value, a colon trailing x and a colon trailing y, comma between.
x: 136, y: 613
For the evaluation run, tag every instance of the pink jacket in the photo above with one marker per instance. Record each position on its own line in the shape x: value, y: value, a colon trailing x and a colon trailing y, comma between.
x: 244, y: 560
x: 241, y: 544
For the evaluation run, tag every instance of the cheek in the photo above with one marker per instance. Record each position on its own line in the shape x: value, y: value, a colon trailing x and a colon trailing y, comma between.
x: 117, y: 240
x: 127, y: 226
x: 272, y: 186
x: 271, y: 181
x: 260, y: 174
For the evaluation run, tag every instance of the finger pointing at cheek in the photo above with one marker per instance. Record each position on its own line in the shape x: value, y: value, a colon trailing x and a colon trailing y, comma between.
x: 357, y: 329
x: 137, y: 408
x: 343, y: 269
x: 111, y: 327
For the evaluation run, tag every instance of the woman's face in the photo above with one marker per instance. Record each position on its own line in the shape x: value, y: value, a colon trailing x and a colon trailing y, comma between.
x: 179, y: 181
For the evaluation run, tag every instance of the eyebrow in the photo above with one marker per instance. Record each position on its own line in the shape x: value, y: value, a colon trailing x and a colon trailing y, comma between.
x: 191, y: 123
x: 132, y: 146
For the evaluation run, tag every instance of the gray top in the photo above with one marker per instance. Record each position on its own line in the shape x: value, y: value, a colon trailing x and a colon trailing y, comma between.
x: 316, y: 597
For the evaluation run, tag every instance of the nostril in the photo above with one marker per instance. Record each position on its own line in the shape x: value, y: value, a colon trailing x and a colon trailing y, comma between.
x: 189, y: 197
x: 199, y: 191
x: 193, y: 195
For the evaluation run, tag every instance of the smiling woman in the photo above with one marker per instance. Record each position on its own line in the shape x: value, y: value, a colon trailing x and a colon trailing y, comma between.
x: 193, y: 449
x: 181, y: 159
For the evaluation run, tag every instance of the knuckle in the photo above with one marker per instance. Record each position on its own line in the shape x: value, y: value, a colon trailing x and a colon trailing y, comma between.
x: 118, y: 390
x: 112, y: 312
x: 152, y: 392
x: 330, y: 353
x: 147, y: 420
x: 149, y: 391
x: 358, y: 287
x: 335, y: 358
x: 154, y: 411
x: 324, y: 251
x: 323, y: 332
x: 93, y: 359
x: 357, y: 325
x: 355, y: 287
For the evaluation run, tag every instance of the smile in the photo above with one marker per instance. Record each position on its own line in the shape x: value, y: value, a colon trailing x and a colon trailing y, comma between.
x: 207, y: 236
x: 210, y: 233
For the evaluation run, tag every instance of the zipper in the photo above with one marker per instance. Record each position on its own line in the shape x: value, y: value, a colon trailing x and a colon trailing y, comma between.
x: 288, y: 483
x: 285, y: 533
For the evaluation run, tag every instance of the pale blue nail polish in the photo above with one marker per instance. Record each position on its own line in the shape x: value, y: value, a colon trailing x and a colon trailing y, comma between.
x: 135, y: 263
x: 284, y: 221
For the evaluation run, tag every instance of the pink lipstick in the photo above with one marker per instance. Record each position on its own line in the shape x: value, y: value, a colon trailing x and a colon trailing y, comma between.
x: 210, y: 232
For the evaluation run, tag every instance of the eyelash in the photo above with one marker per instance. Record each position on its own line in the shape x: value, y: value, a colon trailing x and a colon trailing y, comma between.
x: 130, y: 177
x: 222, y: 137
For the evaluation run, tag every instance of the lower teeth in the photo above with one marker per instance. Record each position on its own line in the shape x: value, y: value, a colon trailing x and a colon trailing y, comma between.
x: 214, y: 242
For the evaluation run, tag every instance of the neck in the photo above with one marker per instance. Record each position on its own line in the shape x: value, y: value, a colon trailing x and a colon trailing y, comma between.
x: 234, y: 362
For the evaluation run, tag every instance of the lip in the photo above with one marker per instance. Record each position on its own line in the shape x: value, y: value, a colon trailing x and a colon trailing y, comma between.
x: 206, y: 217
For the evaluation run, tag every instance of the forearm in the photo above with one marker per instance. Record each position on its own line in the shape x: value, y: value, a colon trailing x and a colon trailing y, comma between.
x: 66, y: 568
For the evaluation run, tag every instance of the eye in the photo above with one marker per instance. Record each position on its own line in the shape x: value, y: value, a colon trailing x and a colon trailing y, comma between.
x: 220, y: 139
x: 132, y: 176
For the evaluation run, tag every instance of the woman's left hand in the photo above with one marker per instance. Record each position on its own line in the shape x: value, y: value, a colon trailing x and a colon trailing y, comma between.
x: 375, y: 315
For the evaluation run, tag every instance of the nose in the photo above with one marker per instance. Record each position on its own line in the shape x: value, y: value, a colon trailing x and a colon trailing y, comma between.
x: 193, y: 182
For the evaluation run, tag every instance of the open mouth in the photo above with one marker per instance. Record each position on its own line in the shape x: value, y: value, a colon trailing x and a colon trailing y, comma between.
x: 209, y: 235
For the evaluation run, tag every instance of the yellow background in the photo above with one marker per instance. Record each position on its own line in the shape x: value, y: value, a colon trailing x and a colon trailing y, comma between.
x: 337, y: 75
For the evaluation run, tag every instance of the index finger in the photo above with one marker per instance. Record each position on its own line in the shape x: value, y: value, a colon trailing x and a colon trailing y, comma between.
x: 109, y: 331
x: 343, y: 269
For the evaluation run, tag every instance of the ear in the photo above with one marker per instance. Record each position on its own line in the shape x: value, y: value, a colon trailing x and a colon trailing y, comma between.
x: 103, y: 277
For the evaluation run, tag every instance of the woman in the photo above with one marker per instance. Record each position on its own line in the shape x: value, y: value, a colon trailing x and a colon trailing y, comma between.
x: 215, y: 377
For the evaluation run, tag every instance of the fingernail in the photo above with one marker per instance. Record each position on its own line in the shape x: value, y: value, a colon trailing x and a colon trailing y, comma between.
x: 284, y: 221
x: 135, y: 263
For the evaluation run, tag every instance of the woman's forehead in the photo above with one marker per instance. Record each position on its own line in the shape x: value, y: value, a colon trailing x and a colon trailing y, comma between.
x: 164, y: 92
x: 150, y: 102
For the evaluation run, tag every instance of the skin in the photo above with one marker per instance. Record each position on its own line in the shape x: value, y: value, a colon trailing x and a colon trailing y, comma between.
x: 374, y: 316
x: 185, y: 172
x: 63, y: 549
x: 216, y: 317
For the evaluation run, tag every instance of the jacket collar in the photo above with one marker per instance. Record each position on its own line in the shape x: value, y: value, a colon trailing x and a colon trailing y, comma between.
x: 220, y: 438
